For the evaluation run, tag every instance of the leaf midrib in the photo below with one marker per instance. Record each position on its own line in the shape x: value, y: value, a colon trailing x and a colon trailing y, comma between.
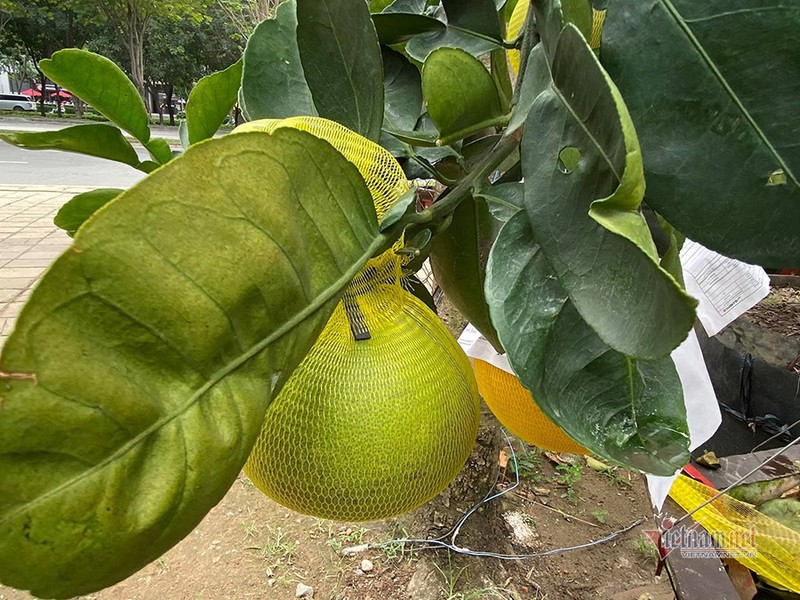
x: 217, y: 377
x: 681, y: 22
x: 577, y: 119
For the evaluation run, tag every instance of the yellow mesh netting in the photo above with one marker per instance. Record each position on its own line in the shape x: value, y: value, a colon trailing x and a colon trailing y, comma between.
x: 598, y: 21
x: 366, y: 429
x: 515, y: 24
x: 776, y: 548
x: 515, y: 408
x: 381, y: 172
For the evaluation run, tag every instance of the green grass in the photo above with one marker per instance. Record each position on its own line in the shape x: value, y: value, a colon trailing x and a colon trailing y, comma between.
x: 568, y: 476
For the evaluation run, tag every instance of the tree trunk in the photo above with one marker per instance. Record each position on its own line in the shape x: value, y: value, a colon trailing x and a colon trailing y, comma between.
x: 43, y: 82
x: 58, y: 102
x: 78, y: 104
x: 170, y: 107
x: 135, y: 46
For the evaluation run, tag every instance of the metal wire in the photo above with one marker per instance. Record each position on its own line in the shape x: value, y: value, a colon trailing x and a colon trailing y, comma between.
x: 443, y: 542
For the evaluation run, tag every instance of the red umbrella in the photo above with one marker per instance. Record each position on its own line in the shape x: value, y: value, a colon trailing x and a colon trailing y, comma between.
x: 31, y: 92
x: 62, y: 94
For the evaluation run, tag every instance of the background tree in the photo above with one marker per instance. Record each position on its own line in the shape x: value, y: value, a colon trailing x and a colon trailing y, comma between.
x: 34, y: 29
x: 244, y: 15
x: 131, y: 20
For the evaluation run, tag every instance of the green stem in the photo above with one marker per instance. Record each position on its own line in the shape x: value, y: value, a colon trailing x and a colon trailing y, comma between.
x: 530, y: 38
x: 471, y: 183
x: 500, y: 121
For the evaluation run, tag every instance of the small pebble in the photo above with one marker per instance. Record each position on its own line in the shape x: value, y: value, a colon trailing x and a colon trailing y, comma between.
x: 367, y: 566
x: 304, y: 591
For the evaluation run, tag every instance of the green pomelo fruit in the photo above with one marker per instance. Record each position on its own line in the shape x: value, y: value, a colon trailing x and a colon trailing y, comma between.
x: 364, y: 430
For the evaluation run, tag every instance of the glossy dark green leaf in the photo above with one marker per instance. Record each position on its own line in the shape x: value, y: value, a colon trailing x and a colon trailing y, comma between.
x: 139, y: 372
x: 459, y: 92
x: 623, y: 409
x: 273, y: 82
x: 418, y: 289
x: 728, y: 117
x: 504, y: 200
x: 475, y: 16
x: 415, y: 138
x: 396, y: 28
x: 210, y: 101
x: 537, y: 78
x: 103, y: 86
x: 104, y: 141
x: 420, y: 46
x: 75, y: 212
x: 402, y: 87
x: 341, y: 59
x: 404, y: 205
x: 407, y: 6
x: 477, y: 150
x: 458, y: 259
x: 583, y: 189
x: 159, y: 149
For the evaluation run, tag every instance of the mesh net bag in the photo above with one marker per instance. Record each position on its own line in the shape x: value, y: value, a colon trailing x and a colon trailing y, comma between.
x: 516, y: 409
x: 757, y: 541
x: 383, y: 412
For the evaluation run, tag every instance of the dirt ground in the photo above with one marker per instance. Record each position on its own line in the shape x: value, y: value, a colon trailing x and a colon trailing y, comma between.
x: 251, y: 547
x: 778, y: 312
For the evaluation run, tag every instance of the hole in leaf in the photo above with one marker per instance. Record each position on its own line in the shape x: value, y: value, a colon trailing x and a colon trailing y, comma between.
x: 568, y: 159
x: 777, y: 177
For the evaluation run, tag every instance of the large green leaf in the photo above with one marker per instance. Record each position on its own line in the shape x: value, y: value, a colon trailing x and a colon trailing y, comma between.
x: 273, y: 83
x: 210, y: 101
x: 82, y: 206
x: 420, y: 46
x: 104, y: 141
x: 458, y: 259
x: 402, y: 92
x: 459, y: 91
x: 580, y: 156
x: 136, y: 380
x: 103, y: 86
x: 627, y: 410
x: 475, y: 16
x: 396, y: 28
x: 342, y: 62
x: 718, y: 117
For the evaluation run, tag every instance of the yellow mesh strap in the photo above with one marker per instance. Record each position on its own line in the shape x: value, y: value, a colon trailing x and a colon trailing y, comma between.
x: 515, y: 24
x: 776, y: 548
x: 598, y: 21
x: 516, y: 409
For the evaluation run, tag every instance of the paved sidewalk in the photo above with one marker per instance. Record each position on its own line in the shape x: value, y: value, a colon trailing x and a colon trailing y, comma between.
x: 29, y: 242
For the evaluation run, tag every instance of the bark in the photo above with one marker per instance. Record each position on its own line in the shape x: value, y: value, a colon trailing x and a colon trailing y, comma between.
x: 170, y: 107
x: 42, y: 83
x: 135, y: 47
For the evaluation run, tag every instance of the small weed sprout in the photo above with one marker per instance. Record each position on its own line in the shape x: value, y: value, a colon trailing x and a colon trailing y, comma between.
x: 568, y: 476
x: 529, y: 462
x: 647, y: 549
x: 278, y: 545
x: 600, y: 515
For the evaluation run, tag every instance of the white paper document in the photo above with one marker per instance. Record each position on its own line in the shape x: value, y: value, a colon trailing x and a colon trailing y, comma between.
x: 725, y: 287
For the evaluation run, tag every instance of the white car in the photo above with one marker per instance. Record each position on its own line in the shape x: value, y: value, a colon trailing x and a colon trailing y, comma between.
x: 16, y: 102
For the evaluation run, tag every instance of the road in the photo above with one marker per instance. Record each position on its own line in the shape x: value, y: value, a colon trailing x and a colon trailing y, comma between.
x: 53, y: 167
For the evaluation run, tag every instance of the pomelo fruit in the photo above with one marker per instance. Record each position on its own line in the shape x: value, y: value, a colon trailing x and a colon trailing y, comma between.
x: 364, y: 430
